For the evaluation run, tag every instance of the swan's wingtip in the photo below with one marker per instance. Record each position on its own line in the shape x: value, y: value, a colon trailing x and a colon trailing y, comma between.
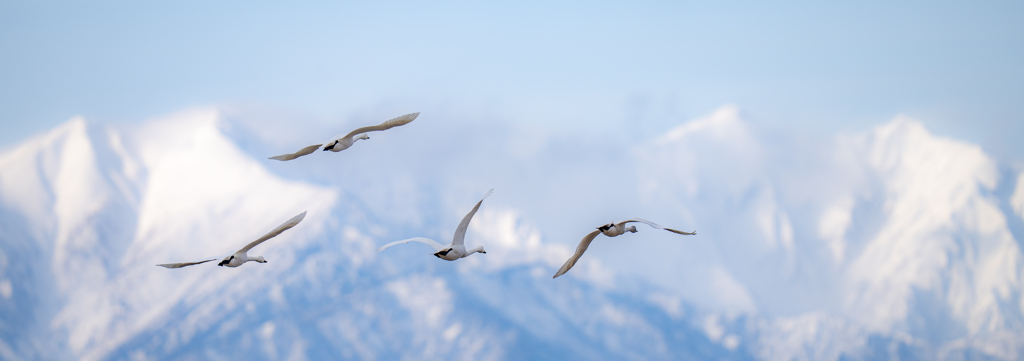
x: 405, y: 119
x: 488, y: 194
x: 298, y: 218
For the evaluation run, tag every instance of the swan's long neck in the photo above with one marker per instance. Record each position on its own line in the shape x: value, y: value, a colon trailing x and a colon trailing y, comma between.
x: 477, y: 249
x: 258, y: 259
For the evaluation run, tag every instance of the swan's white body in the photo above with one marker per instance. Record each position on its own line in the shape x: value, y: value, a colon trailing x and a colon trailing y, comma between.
x: 610, y: 230
x: 455, y: 250
x: 341, y: 142
x: 238, y: 258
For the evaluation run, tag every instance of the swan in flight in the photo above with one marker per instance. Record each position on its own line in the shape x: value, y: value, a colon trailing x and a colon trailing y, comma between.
x: 610, y: 230
x: 340, y: 143
x: 238, y: 258
x: 455, y: 250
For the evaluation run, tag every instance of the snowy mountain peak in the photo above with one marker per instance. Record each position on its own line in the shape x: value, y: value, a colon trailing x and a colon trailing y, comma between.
x: 896, y: 229
x: 941, y: 224
x: 723, y: 122
x: 889, y: 243
x: 110, y: 203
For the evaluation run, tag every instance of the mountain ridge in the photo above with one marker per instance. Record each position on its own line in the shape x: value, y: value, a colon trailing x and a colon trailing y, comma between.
x: 189, y: 191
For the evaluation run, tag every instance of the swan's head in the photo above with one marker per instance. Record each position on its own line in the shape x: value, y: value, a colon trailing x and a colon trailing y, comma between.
x: 363, y: 136
x: 632, y: 229
x: 479, y: 249
x: 260, y: 259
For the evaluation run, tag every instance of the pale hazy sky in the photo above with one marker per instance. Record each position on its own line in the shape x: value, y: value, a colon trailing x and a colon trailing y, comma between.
x: 647, y: 66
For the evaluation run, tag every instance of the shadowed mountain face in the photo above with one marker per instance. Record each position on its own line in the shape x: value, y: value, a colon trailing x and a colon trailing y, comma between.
x: 889, y: 243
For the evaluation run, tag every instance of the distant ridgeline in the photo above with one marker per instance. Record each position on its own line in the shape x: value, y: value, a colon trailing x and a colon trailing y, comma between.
x: 890, y: 243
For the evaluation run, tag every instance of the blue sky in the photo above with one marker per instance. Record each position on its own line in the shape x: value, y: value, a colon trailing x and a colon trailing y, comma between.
x: 639, y: 68
x: 573, y: 100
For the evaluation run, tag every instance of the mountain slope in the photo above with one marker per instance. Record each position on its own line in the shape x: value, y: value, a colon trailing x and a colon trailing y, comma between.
x: 890, y: 243
x: 108, y: 205
x: 892, y: 232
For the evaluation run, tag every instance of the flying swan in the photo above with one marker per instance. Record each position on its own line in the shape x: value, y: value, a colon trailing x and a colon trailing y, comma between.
x: 455, y: 250
x: 238, y: 258
x: 340, y: 143
x: 610, y: 230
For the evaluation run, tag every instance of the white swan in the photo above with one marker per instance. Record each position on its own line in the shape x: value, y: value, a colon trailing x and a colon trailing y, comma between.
x: 340, y: 143
x: 610, y: 230
x: 238, y: 258
x: 455, y: 250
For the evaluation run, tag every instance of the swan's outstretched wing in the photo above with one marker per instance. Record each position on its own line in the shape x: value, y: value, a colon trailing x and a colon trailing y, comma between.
x: 460, y: 233
x: 388, y: 124
x: 184, y: 264
x: 437, y: 246
x: 582, y: 247
x: 655, y: 225
x: 284, y: 227
x: 301, y: 152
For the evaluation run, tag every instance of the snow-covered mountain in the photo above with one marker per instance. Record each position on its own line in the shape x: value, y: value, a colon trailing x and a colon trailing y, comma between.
x: 892, y: 232
x: 890, y: 243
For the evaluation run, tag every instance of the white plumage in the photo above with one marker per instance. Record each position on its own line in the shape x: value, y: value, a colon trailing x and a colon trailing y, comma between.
x: 341, y: 142
x: 611, y: 230
x: 455, y: 250
x: 241, y: 256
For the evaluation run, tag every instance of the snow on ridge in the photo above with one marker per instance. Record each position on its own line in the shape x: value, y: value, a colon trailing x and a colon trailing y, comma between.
x: 724, y: 122
x: 907, y: 225
x: 818, y: 280
x: 76, y: 200
x: 25, y: 171
x: 66, y: 182
x: 1017, y: 199
x: 944, y: 235
x: 729, y: 163
x: 710, y: 172
x: 162, y: 173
